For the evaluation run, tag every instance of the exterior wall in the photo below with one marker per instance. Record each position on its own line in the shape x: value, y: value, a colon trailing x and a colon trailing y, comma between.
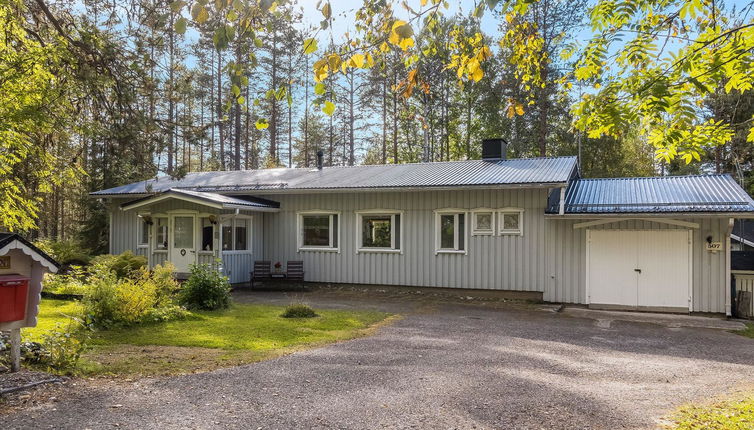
x: 566, y: 260
x: 125, y: 227
x: 492, y: 262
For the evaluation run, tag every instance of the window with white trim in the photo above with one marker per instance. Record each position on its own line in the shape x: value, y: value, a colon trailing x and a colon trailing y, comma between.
x: 378, y: 231
x: 450, y: 231
x: 483, y: 222
x: 235, y: 234
x: 318, y: 230
x: 144, y: 224
x: 511, y: 221
x: 161, y: 233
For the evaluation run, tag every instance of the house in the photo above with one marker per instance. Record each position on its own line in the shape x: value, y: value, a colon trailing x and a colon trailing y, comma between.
x: 531, y: 226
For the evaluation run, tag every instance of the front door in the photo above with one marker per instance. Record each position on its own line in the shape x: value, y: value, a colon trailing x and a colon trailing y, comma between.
x: 183, y: 245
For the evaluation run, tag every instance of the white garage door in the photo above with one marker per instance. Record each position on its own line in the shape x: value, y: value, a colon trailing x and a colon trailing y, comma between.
x: 639, y: 269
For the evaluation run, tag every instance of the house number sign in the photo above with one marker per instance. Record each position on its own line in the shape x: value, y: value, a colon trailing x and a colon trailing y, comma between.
x: 714, y: 246
x: 5, y: 262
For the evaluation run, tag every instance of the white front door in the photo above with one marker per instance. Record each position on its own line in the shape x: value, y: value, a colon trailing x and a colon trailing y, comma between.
x: 644, y: 269
x: 183, y: 243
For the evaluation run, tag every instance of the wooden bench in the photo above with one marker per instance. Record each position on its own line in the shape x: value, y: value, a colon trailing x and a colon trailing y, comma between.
x: 261, y: 272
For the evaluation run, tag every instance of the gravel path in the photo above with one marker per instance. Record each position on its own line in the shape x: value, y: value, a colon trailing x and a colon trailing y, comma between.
x: 454, y: 366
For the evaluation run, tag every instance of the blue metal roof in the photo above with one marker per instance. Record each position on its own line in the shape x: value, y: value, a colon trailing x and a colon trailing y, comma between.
x: 520, y: 172
x: 666, y: 194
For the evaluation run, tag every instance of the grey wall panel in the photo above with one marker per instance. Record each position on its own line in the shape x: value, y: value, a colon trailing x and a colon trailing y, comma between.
x: 492, y: 262
x: 566, y: 260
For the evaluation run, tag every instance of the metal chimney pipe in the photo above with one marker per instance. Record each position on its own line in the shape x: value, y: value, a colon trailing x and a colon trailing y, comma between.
x: 320, y: 157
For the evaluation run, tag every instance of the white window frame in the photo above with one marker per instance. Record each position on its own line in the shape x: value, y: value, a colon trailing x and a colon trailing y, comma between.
x: 140, y: 226
x: 300, y: 231
x: 385, y: 212
x: 501, y: 225
x: 155, y: 226
x: 455, y: 249
x: 475, y: 231
x: 232, y: 223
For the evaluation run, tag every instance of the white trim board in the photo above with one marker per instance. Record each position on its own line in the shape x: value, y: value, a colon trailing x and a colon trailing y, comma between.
x: 614, y: 220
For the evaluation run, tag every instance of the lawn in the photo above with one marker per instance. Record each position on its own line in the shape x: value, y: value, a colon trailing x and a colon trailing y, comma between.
x: 731, y: 414
x: 748, y: 331
x: 243, y: 334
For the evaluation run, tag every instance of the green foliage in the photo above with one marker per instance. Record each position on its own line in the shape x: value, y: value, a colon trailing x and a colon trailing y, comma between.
x: 298, y: 310
x: 67, y: 251
x: 748, y: 331
x: 59, y: 348
x: 205, y: 289
x: 123, y: 265
x: 145, y: 296
x: 72, y: 283
x: 731, y: 414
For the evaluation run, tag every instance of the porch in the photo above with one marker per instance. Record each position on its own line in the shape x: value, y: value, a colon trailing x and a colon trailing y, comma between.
x: 190, y: 227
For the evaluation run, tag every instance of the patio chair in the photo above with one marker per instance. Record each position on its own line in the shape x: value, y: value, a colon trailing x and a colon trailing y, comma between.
x: 261, y: 271
x: 295, y: 271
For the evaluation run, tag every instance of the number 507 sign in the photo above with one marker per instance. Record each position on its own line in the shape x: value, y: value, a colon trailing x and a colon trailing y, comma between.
x: 714, y: 246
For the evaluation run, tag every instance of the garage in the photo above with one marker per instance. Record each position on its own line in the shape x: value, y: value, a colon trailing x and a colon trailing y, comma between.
x: 639, y: 269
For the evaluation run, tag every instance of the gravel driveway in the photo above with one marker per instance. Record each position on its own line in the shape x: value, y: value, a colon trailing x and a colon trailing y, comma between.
x: 444, y: 366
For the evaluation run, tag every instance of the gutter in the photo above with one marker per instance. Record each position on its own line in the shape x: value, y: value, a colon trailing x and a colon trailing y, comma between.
x: 729, y: 293
x: 740, y: 215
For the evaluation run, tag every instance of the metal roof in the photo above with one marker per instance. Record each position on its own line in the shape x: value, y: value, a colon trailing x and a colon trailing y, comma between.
x: 699, y: 193
x: 743, y: 230
x: 522, y: 171
x: 8, y: 238
x: 224, y: 201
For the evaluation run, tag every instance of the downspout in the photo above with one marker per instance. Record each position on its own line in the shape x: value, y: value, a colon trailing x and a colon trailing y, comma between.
x: 561, y: 208
x: 728, y: 292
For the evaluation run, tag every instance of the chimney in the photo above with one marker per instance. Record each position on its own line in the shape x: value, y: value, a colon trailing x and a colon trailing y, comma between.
x: 320, y: 156
x: 494, y: 149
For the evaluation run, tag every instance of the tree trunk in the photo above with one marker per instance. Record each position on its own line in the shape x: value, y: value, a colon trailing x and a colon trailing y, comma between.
x: 220, y: 123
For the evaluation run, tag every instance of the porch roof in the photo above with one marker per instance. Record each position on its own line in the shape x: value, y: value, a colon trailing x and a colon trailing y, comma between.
x: 214, y: 200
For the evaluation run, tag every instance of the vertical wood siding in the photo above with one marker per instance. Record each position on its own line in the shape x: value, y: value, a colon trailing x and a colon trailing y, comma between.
x: 566, y: 260
x: 507, y: 262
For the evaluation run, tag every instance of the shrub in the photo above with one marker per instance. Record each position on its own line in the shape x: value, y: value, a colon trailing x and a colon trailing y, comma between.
x: 59, y: 350
x: 67, y: 251
x: 145, y: 296
x: 205, y: 289
x: 298, y: 310
x: 124, y: 265
x: 73, y: 282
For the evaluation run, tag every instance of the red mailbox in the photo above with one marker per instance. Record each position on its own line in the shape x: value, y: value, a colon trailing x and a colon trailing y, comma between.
x: 13, y: 292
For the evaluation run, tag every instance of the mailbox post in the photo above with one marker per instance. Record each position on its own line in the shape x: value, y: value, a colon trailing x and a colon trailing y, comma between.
x: 22, y: 267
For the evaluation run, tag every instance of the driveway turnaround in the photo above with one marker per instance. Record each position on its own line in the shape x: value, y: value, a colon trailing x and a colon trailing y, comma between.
x: 441, y: 366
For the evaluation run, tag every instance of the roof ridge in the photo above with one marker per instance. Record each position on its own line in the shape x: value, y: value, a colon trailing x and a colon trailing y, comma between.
x: 380, y: 165
x: 702, y: 175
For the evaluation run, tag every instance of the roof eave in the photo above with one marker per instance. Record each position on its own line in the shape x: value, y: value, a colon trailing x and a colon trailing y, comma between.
x: 747, y: 215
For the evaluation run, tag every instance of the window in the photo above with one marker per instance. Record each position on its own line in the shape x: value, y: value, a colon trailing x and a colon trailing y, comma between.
x: 318, y: 231
x: 483, y: 222
x: 207, y: 235
x: 378, y: 231
x: 511, y: 222
x: 451, y: 231
x: 144, y: 224
x: 161, y: 231
x: 235, y: 234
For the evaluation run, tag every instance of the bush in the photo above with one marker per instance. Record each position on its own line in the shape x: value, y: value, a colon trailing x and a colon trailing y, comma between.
x: 73, y: 282
x: 124, y: 265
x: 60, y: 349
x: 299, y: 310
x: 205, y: 289
x: 68, y: 251
x: 145, y: 296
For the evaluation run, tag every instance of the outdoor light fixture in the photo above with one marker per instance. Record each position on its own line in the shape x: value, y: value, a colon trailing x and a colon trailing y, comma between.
x: 212, y: 219
x: 147, y: 219
x: 709, y: 239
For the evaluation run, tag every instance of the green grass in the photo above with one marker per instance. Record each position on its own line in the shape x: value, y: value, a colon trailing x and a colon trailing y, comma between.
x: 243, y: 334
x: 732, y: 414
x: 51, y: 313
x: 748, y: 331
